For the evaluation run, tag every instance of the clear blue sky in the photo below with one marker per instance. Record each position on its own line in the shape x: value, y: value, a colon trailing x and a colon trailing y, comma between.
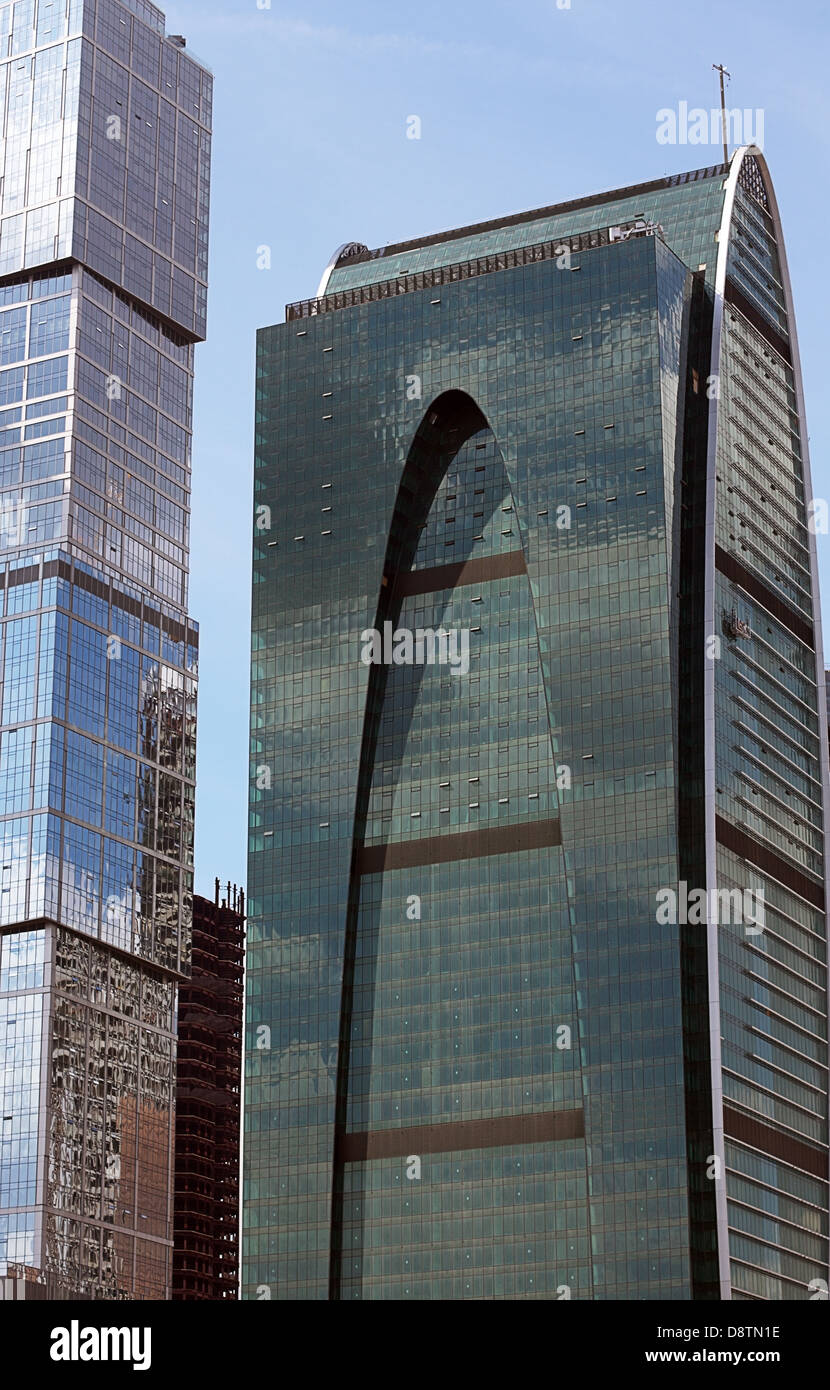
x: 522, y: 104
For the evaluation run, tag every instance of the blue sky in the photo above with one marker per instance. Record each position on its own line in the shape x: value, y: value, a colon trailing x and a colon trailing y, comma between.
x: 521, y: 104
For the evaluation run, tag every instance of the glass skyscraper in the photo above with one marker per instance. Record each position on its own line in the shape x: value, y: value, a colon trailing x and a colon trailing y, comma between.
x: 104, y: 178
x: 537, y: 671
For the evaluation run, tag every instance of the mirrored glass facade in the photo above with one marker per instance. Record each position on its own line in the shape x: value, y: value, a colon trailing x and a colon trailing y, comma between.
x: 481, y: 1061
x: 103, y: 245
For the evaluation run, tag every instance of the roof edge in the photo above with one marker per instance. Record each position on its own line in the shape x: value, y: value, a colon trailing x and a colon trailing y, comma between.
x: 536, y: 214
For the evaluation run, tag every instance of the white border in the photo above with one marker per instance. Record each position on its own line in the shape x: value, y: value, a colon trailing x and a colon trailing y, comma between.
x: 709, y: 667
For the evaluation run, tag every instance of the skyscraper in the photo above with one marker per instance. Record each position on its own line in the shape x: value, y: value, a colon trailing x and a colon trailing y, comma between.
x: 537, y: 977
x: 208, y: 1098
x: 104, y: 175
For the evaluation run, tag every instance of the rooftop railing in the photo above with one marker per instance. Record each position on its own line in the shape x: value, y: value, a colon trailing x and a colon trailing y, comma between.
x: 563, y: 248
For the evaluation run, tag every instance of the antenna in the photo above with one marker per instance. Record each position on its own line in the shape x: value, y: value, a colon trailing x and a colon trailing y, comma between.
x: 718, y: 67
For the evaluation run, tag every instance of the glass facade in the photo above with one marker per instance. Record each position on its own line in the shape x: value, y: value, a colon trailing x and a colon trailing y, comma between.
x: 480, y: 1061
x: 99, y: 313
x: 770, y: 770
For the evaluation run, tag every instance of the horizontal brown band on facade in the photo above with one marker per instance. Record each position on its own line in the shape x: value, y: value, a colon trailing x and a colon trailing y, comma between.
x: 764, y: 859
x: 733, y: 295
x: 731, y: 567
x: 746, y: 1130
x: 105, y: 589
x: 461, y: 1134
x: 478, y: 571
x: 467, y: 844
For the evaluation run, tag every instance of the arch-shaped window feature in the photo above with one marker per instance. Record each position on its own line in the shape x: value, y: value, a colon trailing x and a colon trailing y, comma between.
x: 457, y: 766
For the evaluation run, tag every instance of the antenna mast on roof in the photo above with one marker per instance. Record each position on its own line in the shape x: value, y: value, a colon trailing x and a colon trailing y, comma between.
x: 718, y: 67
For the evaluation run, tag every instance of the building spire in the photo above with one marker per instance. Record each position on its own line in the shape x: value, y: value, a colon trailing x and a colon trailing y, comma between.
x: 718, y: 67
